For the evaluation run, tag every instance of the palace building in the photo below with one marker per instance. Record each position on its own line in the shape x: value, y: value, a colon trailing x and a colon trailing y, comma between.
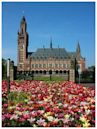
x: 58, y: 61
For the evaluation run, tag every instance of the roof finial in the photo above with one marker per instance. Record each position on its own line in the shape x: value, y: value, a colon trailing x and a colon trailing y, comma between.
x: 51, y: 42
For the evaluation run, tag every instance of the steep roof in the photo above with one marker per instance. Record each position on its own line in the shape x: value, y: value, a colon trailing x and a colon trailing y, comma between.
x: 45, y: 53
x: 72, y: 54
x: 57, y: 53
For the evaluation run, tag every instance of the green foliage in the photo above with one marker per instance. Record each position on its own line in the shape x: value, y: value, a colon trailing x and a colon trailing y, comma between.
x: 17, y: 97
x: 87, y: 76
x: 4, y: 69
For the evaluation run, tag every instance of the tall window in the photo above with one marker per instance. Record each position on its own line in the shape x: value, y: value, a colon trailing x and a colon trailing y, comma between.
x: 64, y: 65
x: 50, y: 65
x: 40, y: 65
x: 56, y: 65
x: 44, y: 65
x: 32, y: 65
x: 36, y: 65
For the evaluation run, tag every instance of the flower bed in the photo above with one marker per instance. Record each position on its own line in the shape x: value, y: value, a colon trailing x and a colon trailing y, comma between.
x: 44, y: 104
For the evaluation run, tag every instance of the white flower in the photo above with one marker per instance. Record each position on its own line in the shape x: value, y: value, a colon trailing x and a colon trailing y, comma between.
x: 65, y: 105
x: 56, y: 120
x: 15, y: 117
x: 72, y: 119
x: 31, y: 120
x: 41, y: 111
x: 87, y: 111
x: 50, y: 118
x: 70, y: 96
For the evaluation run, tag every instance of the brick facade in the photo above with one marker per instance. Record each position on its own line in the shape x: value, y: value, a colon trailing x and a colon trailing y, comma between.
x: 60, y: 61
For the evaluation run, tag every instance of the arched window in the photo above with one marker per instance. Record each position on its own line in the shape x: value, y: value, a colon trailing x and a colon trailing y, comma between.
x: 36, y: 71
x: 60, y: 71
x: 56, y: 71
x: 64, y: 71
x: 44, y: 71
x: 40, y: 71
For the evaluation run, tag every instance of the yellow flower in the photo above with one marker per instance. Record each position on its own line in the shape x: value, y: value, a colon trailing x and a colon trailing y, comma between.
x: 47, y: 114
x: 18, y: 112
x: 34, y: 125
x: 83, y: 119
x: 11, y: 107
x: 86, y: 124
x: 26, y: 100
x: 88, y: 99
x: 86, y: 107
x: 45, y: 99
x: 48, y: 98
x: 67, y: 116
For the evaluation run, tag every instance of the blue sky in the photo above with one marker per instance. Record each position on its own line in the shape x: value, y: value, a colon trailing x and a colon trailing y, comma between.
x: 66, y: 22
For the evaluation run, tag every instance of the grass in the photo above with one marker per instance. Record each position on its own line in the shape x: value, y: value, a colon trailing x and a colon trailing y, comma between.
x: 53, y: 78
x: 44, y: 78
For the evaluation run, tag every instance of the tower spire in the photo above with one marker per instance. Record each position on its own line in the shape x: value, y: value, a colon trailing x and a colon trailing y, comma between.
x: 78, y: 48
x: 23, y: 25
x: 51, y: 42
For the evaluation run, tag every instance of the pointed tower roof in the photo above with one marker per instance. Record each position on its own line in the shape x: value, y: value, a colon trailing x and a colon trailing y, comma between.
x: 23, y: 20
x: 51, y: 42
x: 78, y: 48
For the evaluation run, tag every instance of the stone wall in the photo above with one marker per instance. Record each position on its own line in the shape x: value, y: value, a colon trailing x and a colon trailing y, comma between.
x: 72, y: 75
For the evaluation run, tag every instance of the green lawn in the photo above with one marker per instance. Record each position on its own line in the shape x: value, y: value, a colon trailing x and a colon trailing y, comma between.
x: 53, y: 78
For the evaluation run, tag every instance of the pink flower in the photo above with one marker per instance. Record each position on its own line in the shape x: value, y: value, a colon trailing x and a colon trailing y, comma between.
x: 21, y: 119
x: 5, y: 105
x: 57, y: 98
x: 26, y: 116
x: 41, y: 122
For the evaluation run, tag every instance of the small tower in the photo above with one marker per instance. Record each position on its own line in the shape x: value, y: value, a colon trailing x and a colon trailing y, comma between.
x: 51, y: 43
x: 22, y: 45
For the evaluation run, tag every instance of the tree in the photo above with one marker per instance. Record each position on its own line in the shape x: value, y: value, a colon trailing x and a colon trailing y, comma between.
x: 4, y: 69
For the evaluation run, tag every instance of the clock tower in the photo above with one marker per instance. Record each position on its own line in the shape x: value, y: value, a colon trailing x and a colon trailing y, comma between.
x: 22, y: 45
